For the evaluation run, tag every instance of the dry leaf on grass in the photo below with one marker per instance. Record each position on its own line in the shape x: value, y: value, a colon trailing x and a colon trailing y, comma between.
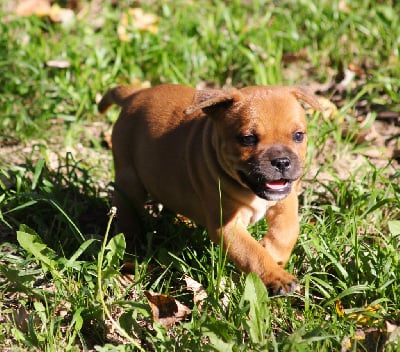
x: 199, y: 293
x: 137, y: 83
x: 21, y: 318
x: 371, y: 339
x: 58, y: 63
x: 166, y: 309
x: 368, y: 332
x: 136, y: 19
x: 363, y: 316
x: 33, y: 8
x: 393, y: 332
x: 43, y: 8
x: 329, y: 109
x: 300, y: 55
x: 62, y: 15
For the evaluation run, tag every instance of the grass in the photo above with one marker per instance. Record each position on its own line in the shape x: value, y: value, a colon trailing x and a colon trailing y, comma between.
x: 60, y: 276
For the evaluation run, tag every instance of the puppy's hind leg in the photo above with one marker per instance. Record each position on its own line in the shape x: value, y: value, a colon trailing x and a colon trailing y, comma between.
x: 129, y: 198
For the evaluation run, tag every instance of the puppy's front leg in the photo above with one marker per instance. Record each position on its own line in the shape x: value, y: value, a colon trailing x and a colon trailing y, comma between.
x: 283, y: 222
x: 250, y: 256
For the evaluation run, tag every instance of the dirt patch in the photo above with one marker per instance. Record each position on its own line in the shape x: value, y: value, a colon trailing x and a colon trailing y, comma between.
x: 54, y: 150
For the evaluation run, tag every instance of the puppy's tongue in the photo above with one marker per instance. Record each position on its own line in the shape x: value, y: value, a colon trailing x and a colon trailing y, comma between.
x: 276, y: 185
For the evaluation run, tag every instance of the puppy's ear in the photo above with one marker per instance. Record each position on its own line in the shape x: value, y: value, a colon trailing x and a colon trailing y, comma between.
x: 305, y: 95
x: 211, y: 99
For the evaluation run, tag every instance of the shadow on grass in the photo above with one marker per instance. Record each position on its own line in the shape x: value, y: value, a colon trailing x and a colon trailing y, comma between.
x: 63, y: 206
x: 67, y: 206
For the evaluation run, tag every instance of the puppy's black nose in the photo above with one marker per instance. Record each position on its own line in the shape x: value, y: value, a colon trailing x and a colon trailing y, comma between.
x: 281, y: 164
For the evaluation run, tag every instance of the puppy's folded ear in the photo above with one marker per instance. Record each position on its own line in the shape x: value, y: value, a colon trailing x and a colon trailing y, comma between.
x: 305, y: 95
x: 209, y: 100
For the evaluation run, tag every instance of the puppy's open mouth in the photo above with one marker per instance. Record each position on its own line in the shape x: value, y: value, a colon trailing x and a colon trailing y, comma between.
x: 279, y: 185
x: 267, y: 189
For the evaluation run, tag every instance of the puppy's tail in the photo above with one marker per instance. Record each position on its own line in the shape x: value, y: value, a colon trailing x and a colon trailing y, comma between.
x: 117, y: 96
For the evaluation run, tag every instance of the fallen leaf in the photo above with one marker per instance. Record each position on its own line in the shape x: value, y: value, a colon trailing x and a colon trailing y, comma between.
x: 356, y: 69
x: 371, y: 339
x: 389, y: 115
x: 62, y: 15
x: 339, y: 308
x: 359, y: 335
x: 289, y: 57
x: 137, y: 83
x: 21, y: 318
x: 393, y: 332
x: 347, y: 79
x: 136, y: 19
x: 144, y: 21
x: 329, y: 109
x: 199, y: 293
x: 58, y: 63
x: 362, y: 316
x: 346, y: 344
x: 43, y: 8
x: 33, y: 8
x: 224, y: 300
x: 343, y: 7
x: 122, y: 28
x: 166, y: 309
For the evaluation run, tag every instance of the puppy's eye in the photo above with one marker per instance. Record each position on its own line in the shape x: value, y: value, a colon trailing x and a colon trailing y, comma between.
x: 248, y: 140
x: 298, y: 137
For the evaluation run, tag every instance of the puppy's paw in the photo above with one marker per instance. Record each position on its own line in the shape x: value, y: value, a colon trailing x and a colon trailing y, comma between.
x: 282, y: 284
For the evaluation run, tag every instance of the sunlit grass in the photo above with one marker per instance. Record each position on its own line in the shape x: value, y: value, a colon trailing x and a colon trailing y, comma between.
x: 55, y: 184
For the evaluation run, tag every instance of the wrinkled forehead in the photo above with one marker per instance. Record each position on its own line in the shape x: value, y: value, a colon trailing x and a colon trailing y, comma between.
x: 279, y: 105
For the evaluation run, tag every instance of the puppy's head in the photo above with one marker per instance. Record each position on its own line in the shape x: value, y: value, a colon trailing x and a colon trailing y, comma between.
x: 260, y: 135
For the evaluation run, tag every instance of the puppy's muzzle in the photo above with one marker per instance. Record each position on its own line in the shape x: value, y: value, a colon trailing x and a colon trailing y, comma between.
x: 271, y: 175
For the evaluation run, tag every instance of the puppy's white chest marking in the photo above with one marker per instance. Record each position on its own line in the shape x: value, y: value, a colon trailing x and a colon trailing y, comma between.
x: 259, y: 207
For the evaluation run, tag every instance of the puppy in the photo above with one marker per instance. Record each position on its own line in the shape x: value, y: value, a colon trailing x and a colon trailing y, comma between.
x: 223, y: 158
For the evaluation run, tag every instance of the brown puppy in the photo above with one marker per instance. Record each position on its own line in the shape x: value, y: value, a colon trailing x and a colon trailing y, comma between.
x: 198, y: 152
